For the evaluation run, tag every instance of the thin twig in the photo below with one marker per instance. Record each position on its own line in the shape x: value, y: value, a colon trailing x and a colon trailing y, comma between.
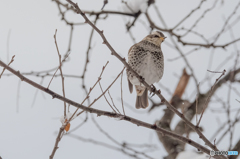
x: 226, y: 131
x: 215, y: 71
x: 103, y: 144
x: 210, y: 94
x: 200, y: 18
x: 189, y: 14
x: 90, y: 90
x: 195, y: 33
x: 170, y: 31
x: 125, y: 2
x: 228, y: 101
x: 35, y: 95
x: 122, y: 93
x: 226, y: 22
x: 58, y: 139
x: 197, y: 105
x: 123, y: 145
x: 188, y: 53
x: 113, y: 101
x: 79, y: 125
x: 54, y: 75
x: 8, y: 65
x: 103, y: 92
x: 60, y: 68
x: 104, y: 4
x: 61, y: 131
x: 87, y: 57
x: 106, y: 98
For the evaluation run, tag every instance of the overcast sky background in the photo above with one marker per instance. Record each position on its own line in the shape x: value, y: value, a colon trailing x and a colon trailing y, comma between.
x: 30, y: 132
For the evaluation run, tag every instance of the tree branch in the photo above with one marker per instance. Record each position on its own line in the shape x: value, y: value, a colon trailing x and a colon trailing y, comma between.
x: 106, y: 113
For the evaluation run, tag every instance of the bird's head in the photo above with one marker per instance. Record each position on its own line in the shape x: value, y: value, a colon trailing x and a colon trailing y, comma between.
x: 156, y: 37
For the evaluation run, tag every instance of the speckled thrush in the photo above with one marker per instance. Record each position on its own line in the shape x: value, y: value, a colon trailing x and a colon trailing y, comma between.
x: 146, y: 58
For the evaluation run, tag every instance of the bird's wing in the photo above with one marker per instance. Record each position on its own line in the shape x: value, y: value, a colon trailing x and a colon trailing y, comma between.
x: 130, y: 86
x: 131, y: 49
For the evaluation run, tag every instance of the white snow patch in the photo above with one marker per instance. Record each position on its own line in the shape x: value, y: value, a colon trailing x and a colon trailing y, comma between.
x: 133, y: 6
x: 68, y: 116
x: 62, y: 119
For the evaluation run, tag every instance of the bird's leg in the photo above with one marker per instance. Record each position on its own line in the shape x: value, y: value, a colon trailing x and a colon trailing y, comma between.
x: 153, y: 89
x: 141, y: 79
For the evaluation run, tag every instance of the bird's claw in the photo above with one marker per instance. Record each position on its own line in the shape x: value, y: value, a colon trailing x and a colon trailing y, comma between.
x: 141, y: 79
x: 153, y: 89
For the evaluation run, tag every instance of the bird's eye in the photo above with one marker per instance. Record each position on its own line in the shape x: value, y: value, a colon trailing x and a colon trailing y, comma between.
x: 156, y: 36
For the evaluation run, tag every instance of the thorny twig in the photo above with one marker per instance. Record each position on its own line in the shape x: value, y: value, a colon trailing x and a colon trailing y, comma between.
x: 8, y: 65
x: 105, y: 90
x: 113, y: 101
x: 226, y: 22
x: 106, y: 99
x: 124, y: 145
x: 35, y: 95
x: 122, y: 94
x: 103, y: 144
x: 87, y: 57
x: 191, y: 51
x: 54, y: 75
x: 210, y: 94
x: 60, y: 68
x: 102, y: 93
x: 61, y: 130
x: 104, y: 4
x: 189, y: 14
x: 90, y: 90
x: 201, y: 17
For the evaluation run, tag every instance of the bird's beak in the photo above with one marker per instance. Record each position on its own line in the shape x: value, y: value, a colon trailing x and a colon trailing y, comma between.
x: 163, y: 38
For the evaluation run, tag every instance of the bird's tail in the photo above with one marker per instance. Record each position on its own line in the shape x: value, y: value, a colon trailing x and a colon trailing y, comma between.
x: 142, y: 97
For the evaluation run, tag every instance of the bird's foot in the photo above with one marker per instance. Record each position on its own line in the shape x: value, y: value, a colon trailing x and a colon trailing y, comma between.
x: 159, y: 91
x: 141, y: 79
x: 153, y: 89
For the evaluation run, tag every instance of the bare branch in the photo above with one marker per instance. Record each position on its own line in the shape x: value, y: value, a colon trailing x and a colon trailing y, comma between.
x: 107, y: 100
x: 210, y: 94
x: 60, y: 68
x: 58, y: 139
x: 105, y: 113
x: 158, y: 93
x: 104, y: 3
x: 122, y: 94
x: 54, y: 75
x: 189, y: 14
x: 91, y: 88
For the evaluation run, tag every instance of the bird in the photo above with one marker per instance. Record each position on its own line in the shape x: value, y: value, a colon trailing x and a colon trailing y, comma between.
x: 145, y: 58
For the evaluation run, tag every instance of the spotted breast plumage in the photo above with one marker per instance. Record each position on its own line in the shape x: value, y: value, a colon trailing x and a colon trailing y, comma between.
x: 146, y: 58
